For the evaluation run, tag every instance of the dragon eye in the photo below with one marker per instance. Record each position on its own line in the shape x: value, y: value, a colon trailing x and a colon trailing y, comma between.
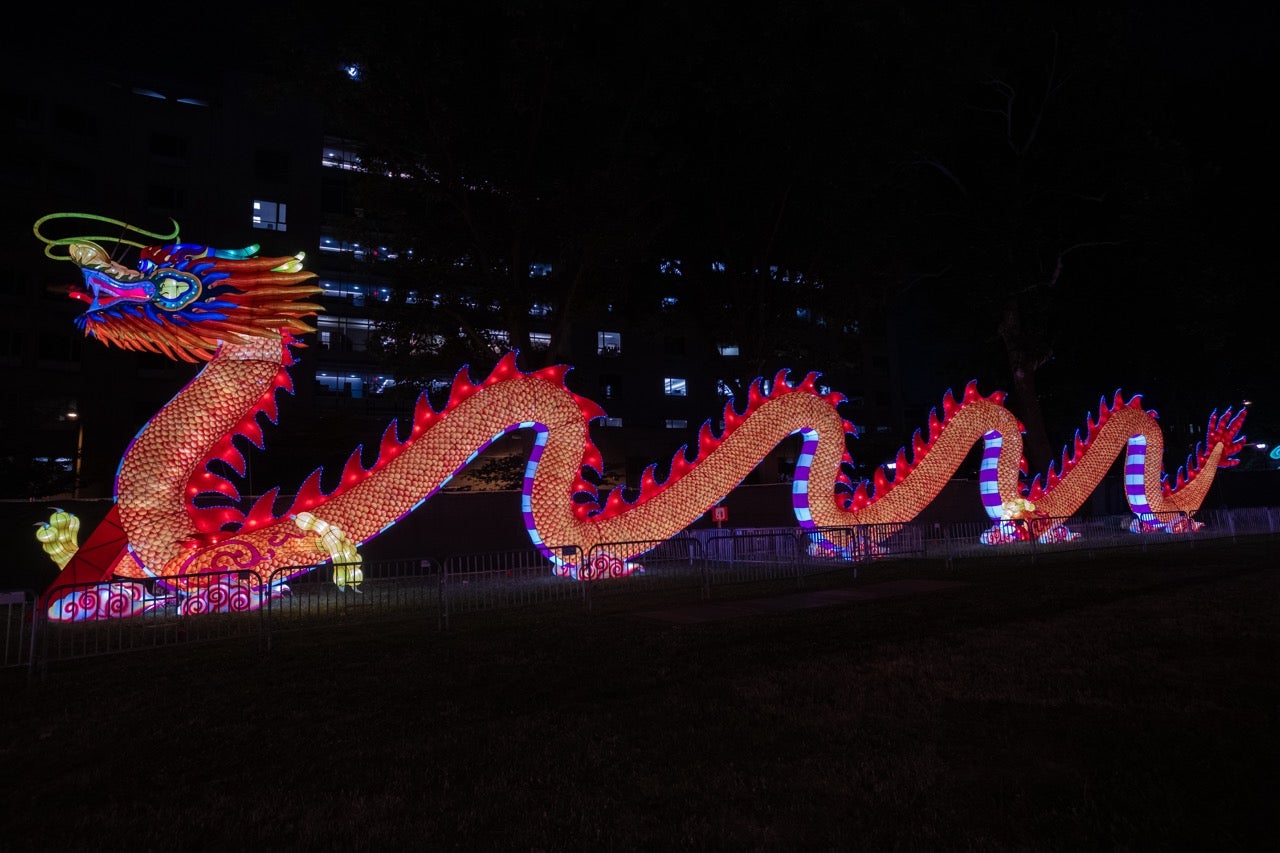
x: 175, y: 290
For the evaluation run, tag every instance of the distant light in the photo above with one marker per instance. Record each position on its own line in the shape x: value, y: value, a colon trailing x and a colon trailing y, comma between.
x: 353, y: 71
x: 1260, y: 445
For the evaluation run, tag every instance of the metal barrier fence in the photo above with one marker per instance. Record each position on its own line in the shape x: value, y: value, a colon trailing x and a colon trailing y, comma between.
x: 472, y: 583
x: 308, y: 597
x: 17, y: 615
x: 661, y: 565
x: 126, y: 615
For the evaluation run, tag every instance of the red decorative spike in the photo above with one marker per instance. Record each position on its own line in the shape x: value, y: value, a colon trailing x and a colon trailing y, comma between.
x: 389, y: 446
x: 935, y: 426
x: 949, y: 406
x: 850, y: 429
x: 553, y: 374
x: 880, y: 481
x: 270, y: 406
x: 971, y: 391
x: 1118, y: 402
x: 216, y: 518
x: 589, y: 408
x: 592, y: 459
x: 731, y: 418
x: 234, y: 458
x: 649, y: 482
x: 506, y: 367
x: 754, y: 396
x: 1022, y: 465
x: 309, y: 494
x: 423, y: 414
x: 209, y: 484
x: 809, y: 383
x: 583, y: 486
x: 780, y: 385
x: 252, y: 430
x: 461, y: 390
x: 901, y: 467
x: 861, y: 497
x: 919, y: 447
x: 679, y: 465
x: 707, y: 441
x: 261, y: 512
x: 1135, y: 402
x: 353, y: 472
x: 1036, y: 492
x: 998, y: 397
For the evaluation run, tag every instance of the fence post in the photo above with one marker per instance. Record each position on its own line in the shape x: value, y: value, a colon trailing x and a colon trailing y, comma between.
x: 442, y: 620
x: 801, y: 542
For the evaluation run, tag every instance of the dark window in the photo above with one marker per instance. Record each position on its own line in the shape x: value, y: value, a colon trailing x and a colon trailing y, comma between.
x: 169, y: 145
x: 165, y: 197
x: 271, y: 165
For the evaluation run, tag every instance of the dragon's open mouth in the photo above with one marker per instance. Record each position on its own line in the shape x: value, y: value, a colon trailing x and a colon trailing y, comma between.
x: 106, y: 281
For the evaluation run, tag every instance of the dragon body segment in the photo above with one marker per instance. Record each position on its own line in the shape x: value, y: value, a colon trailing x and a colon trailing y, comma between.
x: 179, y: 513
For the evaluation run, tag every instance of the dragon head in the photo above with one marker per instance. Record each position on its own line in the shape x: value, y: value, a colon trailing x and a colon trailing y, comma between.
x: 183, y: 300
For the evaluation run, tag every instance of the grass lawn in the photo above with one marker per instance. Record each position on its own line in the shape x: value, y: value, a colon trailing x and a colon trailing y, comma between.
x: 1128, y: 702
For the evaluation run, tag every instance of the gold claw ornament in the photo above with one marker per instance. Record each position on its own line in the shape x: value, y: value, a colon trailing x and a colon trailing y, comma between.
x: 58, y: 537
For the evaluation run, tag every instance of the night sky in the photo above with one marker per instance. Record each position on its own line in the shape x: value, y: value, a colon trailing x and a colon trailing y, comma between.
x: 867, y: 141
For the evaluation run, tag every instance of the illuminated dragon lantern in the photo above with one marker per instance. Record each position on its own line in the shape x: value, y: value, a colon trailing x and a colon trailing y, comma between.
x: 176, y: 515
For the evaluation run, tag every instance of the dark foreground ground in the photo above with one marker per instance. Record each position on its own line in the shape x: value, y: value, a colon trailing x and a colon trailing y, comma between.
x: 1128, y: 702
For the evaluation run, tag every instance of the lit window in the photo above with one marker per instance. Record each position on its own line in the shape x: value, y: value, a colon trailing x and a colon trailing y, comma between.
x: 539, y: 270
x: 677, y: 423
x: 802, y: 313
x: 729, y: 350
x: 539, y: 309
x: 344, y: 334
x: 269, y: 216
x: 669, y: 302
x: 723, y: 389
x: 717, y: 266
x: 675, y: 387
x: 338, y: 157
x: 613, y: 422
x: 499, y: 339
x: 608, y: 343
x: 670, y: 267
x: 540, y: 340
